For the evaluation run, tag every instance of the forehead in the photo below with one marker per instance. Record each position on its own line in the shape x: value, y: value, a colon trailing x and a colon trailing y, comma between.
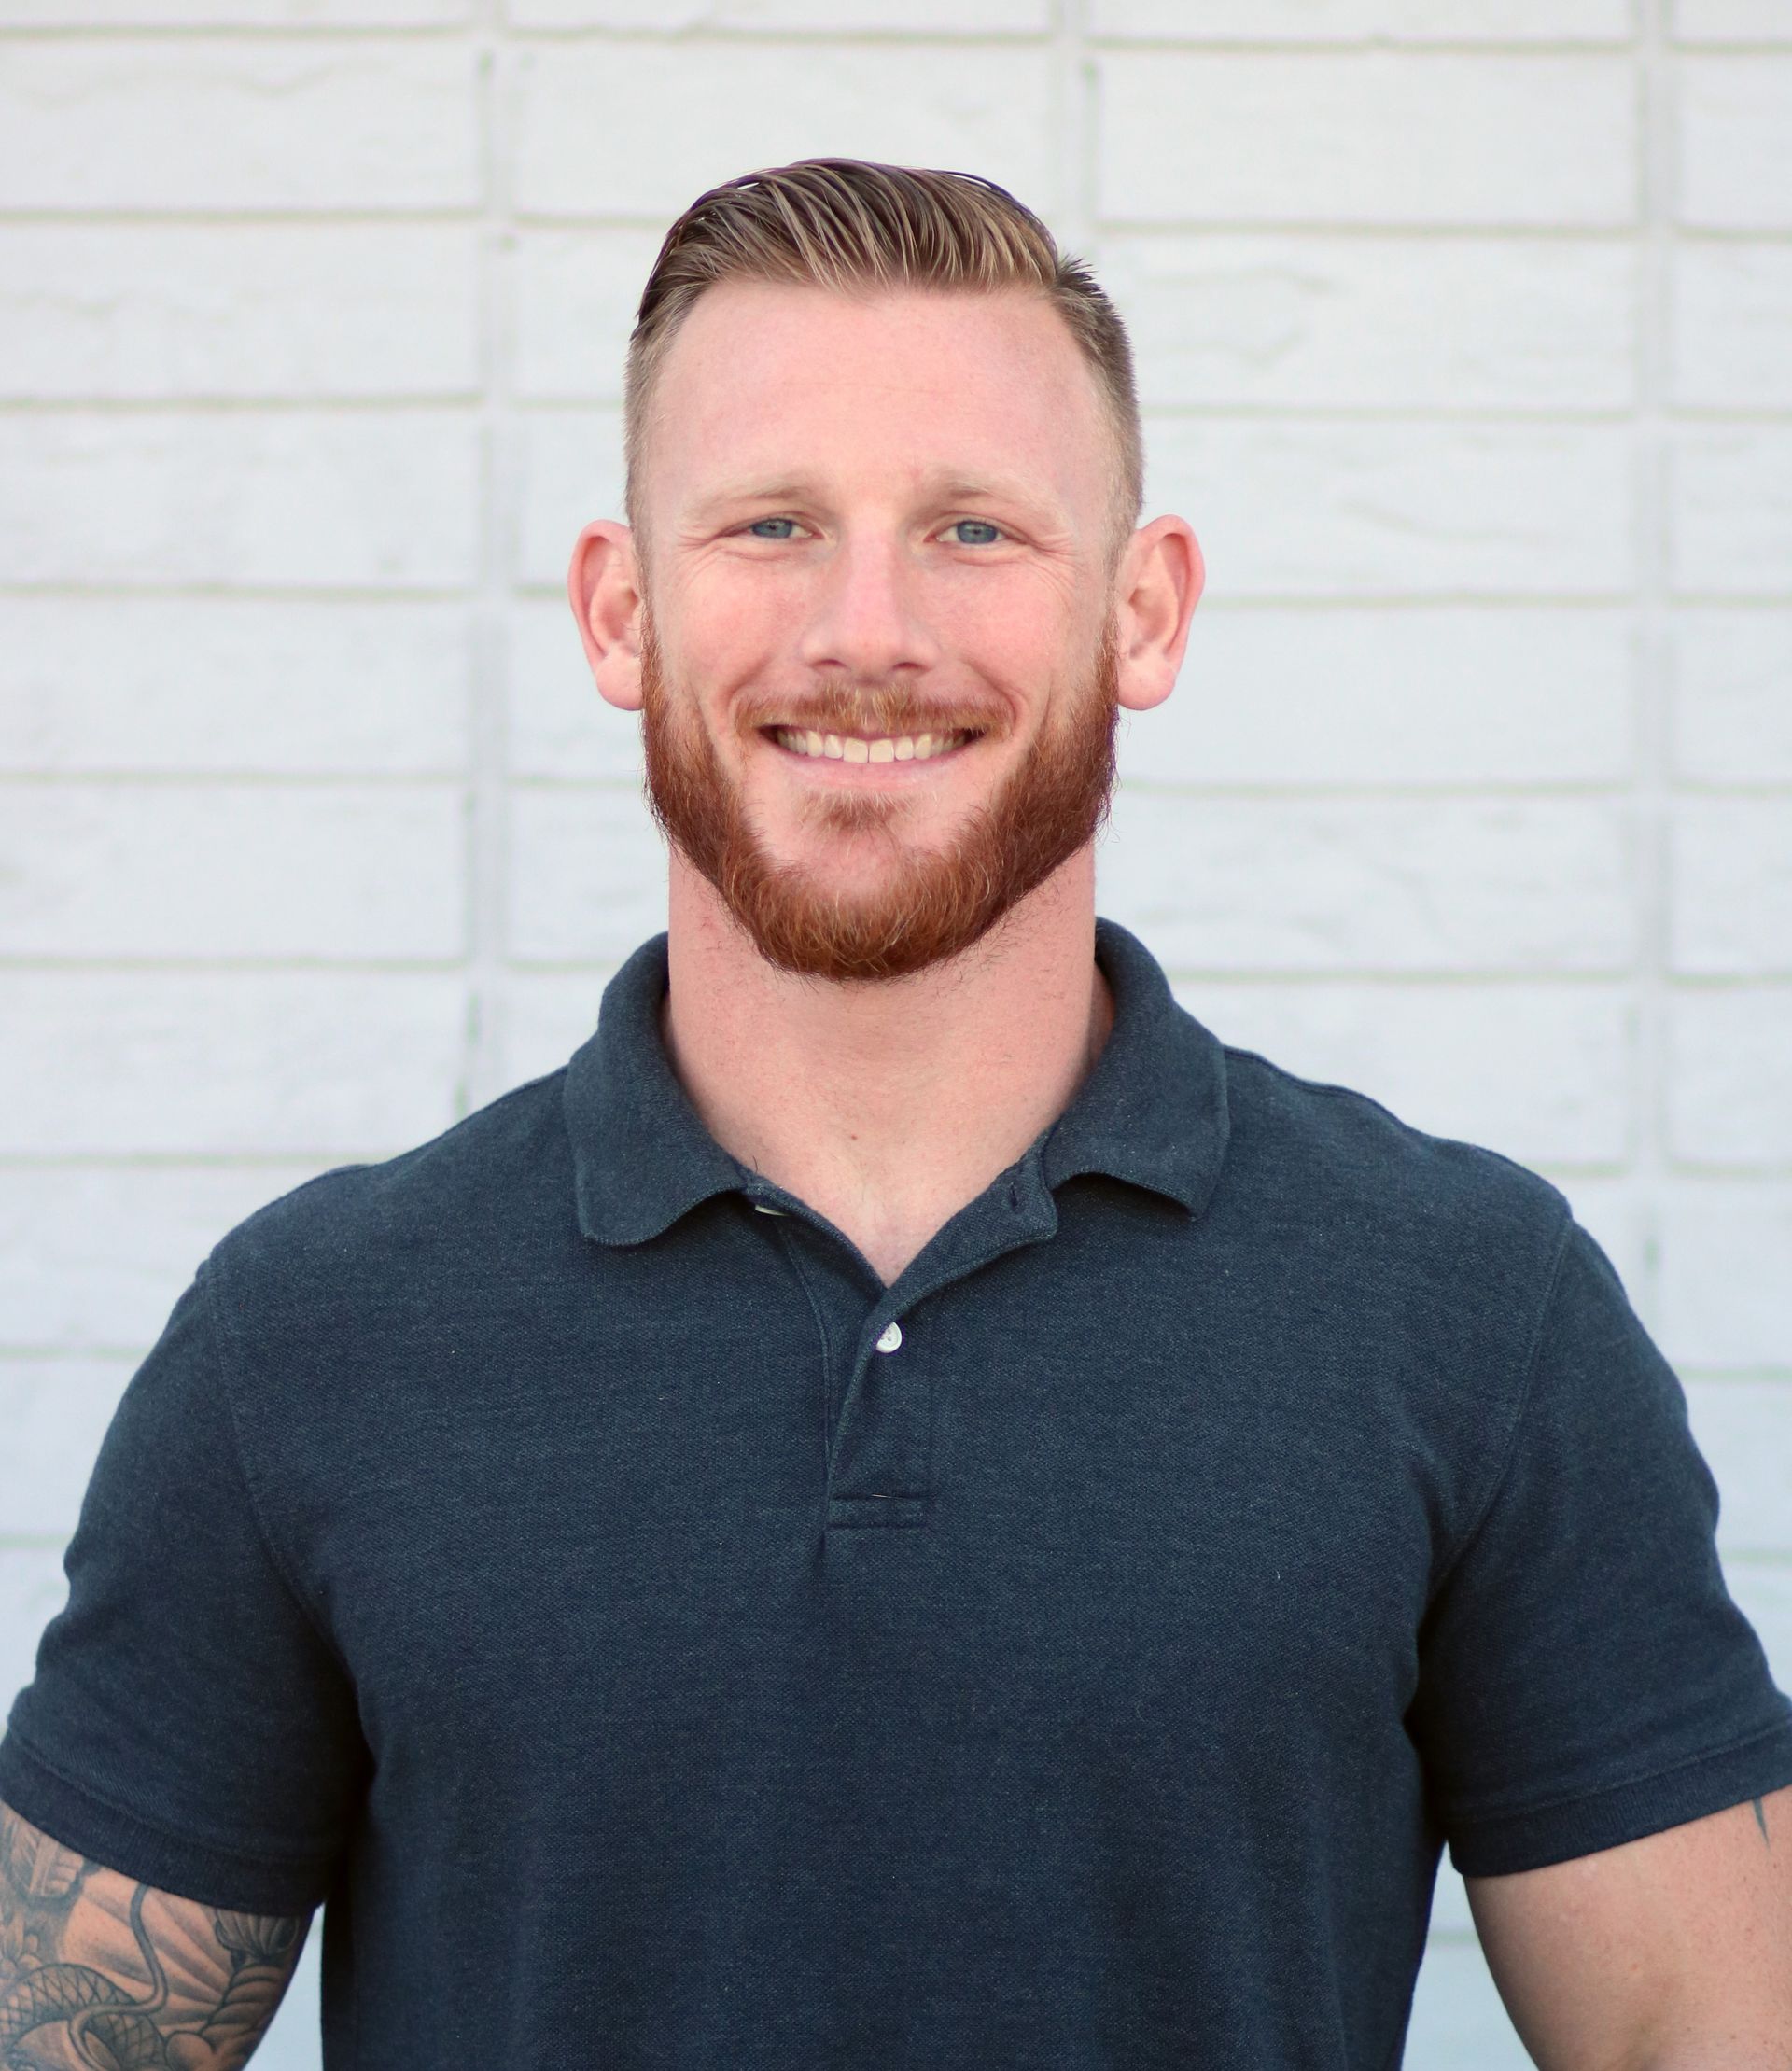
x: 907, y: 384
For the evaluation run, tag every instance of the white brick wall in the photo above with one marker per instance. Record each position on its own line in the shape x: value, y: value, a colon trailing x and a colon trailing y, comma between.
x: 1465, y: 339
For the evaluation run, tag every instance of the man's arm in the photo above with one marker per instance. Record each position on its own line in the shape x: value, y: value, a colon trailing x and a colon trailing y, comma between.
x: 99, y: 1968
x: 1671, y: 1953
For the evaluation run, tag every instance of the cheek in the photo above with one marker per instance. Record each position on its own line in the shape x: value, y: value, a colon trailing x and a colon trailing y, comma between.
x: 732, y: 623
x: 1019, y: 614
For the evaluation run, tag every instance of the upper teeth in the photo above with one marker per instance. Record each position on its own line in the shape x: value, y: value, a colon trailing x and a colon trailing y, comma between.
x: 852, y: 748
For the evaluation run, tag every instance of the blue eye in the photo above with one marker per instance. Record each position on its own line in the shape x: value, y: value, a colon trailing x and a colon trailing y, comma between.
x: 976, y: 532
x: 767, y: 528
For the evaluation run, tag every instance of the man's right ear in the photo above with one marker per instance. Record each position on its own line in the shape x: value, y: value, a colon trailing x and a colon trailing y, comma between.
x: 604, y: 585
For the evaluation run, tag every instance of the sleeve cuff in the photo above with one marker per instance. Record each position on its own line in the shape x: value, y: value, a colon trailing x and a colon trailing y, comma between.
x: 1496, y: 1844
x: 207, y: 1872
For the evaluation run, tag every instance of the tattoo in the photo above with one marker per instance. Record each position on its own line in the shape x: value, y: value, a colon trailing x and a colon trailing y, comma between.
x: 99, y: 1970
x: 1760, y: 1820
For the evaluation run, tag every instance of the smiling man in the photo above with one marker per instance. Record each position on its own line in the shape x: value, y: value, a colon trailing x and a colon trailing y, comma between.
x: 909, y: 1509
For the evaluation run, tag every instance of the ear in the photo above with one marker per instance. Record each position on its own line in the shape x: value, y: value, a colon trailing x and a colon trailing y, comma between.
x: 1156, y: 588
x: 604, y: 585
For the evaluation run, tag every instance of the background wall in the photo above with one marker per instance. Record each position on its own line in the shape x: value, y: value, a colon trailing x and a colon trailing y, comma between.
x: 1466, y: 329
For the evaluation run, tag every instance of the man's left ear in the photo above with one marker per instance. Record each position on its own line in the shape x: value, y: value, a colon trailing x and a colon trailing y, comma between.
x: 1156, y: 588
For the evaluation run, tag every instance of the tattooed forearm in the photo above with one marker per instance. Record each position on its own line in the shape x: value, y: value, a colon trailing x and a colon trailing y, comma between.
x: 105, y: 1971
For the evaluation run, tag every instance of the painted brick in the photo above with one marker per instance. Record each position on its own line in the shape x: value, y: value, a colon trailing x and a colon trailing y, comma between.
x: 1239, y: 138
x: 1440, y: 323
x: 642, y: 129
x: 569, y: 469
x: 1416, y: 696
x: 1730, y: 519
x: 1725, y: 1297
x: 1539, y: 1073
x: 1731, y: 22
x: 1735, y: 140
x: 1763, y: 1592
x: 230, y: 685
x: 232, y: 125
x: 32, y: 1592
x: 966, y: 18
x: 1263, y: 315
x: 1730, y: 897
x: 1729, y: 1076
x: 1732, y: 718
x: 587, y: 877
x: 54, y: 1413
x: 547, y: 1014
x: 249, y: 873
x: 576, y: 294
x: 1364, y: 20
x: 1740, y: 1426
x: 235, y: 14
x: 1730, y: 325
x: 298, y: 499
x: 192, y: 1063
x: 1459, y: 2023
x: 559, y: 727
x: 227, y: 310
x: 1291, y: 509
x: 1224, y: 886
x: 93, y: 1257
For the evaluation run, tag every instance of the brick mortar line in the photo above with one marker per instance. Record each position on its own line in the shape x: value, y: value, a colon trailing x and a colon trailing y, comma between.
x: 523, y: 35
x: 547, y: 222
x: 1545, y: 791
x: 1656, y: 139
x: 487, y: 817
x: 1614, y: 979
x: 464, y: 408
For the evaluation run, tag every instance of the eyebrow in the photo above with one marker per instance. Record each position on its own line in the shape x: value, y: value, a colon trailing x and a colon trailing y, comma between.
x: 941, y: 488
x: 951, y: 488
x: 751, y: 490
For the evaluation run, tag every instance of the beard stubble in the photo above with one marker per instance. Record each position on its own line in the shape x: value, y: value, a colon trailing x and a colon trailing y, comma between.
x: 928, y: 904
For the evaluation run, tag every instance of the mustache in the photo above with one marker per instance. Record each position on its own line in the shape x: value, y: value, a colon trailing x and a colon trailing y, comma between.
x: 841, y: 706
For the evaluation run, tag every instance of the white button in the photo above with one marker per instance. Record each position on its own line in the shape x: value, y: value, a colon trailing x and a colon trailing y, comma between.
x: 893, y: 1336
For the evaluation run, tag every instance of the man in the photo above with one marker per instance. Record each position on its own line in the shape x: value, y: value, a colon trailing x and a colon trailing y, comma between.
x: 907, y: 1508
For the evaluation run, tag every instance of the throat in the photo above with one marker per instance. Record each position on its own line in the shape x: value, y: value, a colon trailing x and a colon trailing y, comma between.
x: 885, y: 1106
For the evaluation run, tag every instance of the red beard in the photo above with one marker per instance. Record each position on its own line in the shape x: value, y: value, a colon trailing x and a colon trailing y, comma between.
x: 930, y: 904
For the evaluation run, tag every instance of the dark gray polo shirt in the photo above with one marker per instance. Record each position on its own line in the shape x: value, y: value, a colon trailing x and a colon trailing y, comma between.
x: 668, y: 1647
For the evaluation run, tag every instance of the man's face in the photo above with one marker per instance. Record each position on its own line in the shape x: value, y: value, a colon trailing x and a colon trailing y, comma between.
x: 878, y: 669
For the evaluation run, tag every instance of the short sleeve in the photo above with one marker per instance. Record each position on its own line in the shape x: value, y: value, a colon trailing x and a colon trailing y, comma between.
x: 1585, y: 1678
x: 187, y: 1724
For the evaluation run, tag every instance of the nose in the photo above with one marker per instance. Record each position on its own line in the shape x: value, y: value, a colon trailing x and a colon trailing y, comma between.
x: 864, y: 618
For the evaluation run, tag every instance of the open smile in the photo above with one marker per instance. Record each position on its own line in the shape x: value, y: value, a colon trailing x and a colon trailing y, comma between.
x: 867, y: 747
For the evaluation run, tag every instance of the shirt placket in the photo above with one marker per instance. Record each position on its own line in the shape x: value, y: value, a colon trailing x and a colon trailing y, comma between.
x: 887, y: 1345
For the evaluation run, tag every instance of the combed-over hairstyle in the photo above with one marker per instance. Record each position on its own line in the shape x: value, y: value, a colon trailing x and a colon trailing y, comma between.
x: 856, y: 227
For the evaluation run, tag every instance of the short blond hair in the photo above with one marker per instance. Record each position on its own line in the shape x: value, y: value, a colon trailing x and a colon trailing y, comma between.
x: 855, y: 227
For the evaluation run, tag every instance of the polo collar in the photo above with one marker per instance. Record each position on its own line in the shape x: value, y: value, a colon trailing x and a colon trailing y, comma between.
x: 1153, y: 1113
x: 1154, y: 1110
x: 641, y: 1155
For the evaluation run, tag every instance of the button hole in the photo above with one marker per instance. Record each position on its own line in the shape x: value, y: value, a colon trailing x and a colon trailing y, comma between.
x: 1014, y: 1195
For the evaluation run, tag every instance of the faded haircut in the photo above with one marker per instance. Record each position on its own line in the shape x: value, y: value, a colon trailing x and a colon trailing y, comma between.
x: 856, y: 227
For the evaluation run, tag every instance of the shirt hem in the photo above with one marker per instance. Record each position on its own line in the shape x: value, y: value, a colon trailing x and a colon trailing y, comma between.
x: 208, y: 1874
x: 1498, y: 1844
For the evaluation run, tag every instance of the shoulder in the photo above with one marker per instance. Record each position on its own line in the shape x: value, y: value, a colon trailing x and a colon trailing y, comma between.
x: 1344, y: 1147
x: 1338, y: 1176
x: 496, y: 1179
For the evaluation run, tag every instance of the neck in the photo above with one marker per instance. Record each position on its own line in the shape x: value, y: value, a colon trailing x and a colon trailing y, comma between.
x: 888, y: 1107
